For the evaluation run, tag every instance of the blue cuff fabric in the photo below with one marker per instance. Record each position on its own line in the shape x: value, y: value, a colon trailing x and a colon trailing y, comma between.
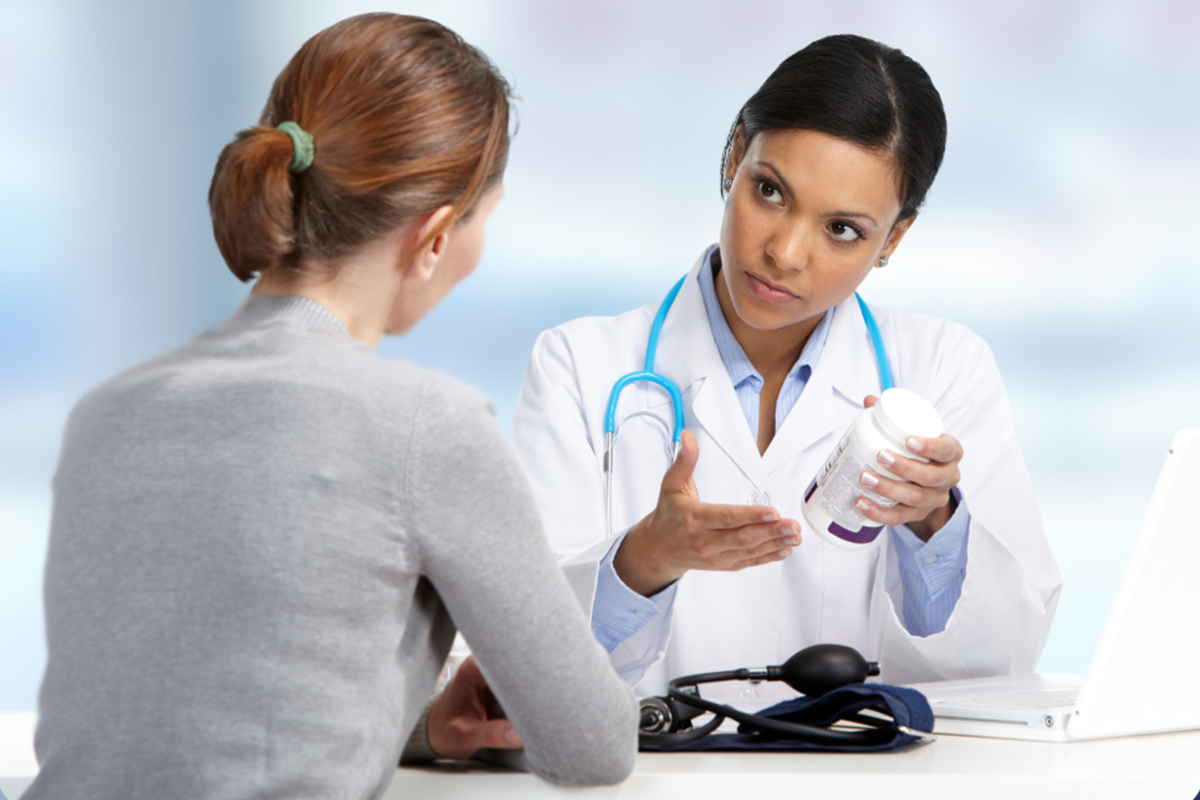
x: 619, y: 612
x: 932, y: 573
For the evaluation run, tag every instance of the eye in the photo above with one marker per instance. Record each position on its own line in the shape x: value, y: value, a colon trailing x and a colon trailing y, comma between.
x: 845, y: 232
x: 769, y: 191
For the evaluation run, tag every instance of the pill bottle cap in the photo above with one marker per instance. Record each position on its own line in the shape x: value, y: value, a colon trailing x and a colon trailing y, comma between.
x: 901, y: 413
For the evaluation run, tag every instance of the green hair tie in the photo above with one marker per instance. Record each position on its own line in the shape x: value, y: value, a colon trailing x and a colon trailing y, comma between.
x: 302, y: 146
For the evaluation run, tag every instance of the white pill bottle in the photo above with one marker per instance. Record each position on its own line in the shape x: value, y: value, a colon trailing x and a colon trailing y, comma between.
x: 829, y: 499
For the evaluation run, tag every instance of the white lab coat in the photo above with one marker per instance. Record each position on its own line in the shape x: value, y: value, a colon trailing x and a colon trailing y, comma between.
x: 762, y: 615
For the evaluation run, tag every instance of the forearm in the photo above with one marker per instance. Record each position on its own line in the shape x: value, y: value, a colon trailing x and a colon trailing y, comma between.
x: 514, y: 607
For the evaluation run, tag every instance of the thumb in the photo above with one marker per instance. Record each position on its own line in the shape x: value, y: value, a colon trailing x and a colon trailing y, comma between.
x: 678, y: 477
x: 497, y: 733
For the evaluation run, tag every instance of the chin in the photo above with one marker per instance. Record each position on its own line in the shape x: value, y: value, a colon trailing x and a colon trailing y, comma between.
x: 762, y: 318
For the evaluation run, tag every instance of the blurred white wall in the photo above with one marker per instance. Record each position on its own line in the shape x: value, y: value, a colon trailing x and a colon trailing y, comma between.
x: 1061, y: 227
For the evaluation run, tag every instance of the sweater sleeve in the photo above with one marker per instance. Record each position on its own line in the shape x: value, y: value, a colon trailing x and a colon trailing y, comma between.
x: 471, y: 514
x: 417, y: 749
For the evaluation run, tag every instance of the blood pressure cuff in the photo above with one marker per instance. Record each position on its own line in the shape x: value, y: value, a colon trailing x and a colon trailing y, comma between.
x: 907, y: 707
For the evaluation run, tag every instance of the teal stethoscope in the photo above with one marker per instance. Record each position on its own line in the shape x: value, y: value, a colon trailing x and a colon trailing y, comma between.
x: 648, y: 374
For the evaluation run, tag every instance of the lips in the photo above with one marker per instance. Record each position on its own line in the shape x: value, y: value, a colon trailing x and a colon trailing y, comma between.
x: 768, y: 292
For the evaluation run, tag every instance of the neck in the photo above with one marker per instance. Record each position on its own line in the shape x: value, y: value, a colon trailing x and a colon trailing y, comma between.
x: 773, y: 353
x: 359, y: 292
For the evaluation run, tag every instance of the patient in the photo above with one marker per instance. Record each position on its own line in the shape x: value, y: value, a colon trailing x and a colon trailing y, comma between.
x: 264, y: 540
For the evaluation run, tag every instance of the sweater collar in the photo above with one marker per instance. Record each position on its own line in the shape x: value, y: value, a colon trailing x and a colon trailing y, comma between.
x: 259, y: 309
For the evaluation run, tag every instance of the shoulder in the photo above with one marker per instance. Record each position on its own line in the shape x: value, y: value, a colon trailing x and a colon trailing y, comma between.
x: 576, y: 362
x: 940, y: 343
x: 446, y: 406
x: 944, y: 360
x: 587, y: 334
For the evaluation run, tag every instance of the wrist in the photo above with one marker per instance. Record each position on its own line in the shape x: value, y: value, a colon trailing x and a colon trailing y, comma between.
x: 924, y: 529
x: 639, y: 566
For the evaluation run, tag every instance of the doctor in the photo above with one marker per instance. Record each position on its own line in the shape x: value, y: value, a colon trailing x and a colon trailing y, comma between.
x: 704, y: 565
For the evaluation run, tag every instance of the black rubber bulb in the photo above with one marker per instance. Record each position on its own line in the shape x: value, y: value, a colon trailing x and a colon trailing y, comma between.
x: 818, y: 669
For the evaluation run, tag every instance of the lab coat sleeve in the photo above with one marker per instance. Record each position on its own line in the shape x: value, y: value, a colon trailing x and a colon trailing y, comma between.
x: 560, y: 457
x: 563, y: 459
x: 1011, y: 584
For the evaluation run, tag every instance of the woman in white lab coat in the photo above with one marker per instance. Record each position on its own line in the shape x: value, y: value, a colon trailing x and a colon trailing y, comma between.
x: 705, y: 565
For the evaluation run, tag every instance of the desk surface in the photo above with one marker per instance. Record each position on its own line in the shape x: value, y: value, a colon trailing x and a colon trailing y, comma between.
x: 1161, y: 767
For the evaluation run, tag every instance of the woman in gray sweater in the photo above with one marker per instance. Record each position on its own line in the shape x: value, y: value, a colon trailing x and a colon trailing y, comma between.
x: 264, y: 540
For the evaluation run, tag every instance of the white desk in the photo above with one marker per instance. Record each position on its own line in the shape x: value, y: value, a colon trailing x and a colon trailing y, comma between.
x: 1164, y: 767
x: 963, y: 768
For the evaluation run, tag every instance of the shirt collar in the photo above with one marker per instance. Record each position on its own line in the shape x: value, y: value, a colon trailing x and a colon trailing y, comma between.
x: 737, y: 364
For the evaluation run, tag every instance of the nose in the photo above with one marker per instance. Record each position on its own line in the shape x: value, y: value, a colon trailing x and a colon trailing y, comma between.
x: 789, y: 245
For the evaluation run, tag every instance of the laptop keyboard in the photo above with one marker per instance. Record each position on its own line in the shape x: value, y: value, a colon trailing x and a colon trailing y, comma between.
x: 1015, y: 701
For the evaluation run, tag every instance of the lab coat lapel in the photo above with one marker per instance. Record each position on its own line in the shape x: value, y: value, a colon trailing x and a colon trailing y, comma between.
x: 846, y: 367
x: 688, y: 355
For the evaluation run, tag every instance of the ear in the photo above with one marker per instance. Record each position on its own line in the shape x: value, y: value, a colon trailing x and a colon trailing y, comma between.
x: 737, y: 151
x: 424, y: 260
x: 895, y: 235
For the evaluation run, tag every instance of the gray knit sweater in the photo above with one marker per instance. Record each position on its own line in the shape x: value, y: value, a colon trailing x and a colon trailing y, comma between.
x: 261, y: 546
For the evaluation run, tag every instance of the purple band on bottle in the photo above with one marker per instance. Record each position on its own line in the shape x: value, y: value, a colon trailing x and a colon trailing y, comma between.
x: 810, y: 491
x: 863, y: 535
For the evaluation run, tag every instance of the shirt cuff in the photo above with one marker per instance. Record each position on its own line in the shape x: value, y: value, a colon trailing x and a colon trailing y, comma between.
x: 619, y: 612
x: 942, y: 559
x: 932, y: 573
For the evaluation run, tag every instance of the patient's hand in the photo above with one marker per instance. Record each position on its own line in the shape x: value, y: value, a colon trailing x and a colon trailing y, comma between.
x: 466, y: 717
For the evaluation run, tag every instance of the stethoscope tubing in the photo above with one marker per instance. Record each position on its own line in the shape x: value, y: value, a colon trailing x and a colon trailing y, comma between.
x: 875, y: 731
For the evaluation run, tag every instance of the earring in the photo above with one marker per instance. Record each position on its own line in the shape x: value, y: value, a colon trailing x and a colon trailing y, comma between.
x: 883, y: 261
x: 728, y: 182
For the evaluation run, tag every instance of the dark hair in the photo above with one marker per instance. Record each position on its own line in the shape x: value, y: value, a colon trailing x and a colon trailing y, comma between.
x: 405, y: 117
x: 861, y: 91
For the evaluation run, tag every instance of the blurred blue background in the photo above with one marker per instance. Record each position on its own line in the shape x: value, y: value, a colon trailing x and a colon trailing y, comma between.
x: 1062, y: 227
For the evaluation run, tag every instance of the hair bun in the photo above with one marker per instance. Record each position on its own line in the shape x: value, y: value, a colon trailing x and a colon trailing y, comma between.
x: 408, y: 118
x: 251, y: 201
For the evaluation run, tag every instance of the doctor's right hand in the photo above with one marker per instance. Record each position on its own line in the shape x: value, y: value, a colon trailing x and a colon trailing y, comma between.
x: 682, y: 533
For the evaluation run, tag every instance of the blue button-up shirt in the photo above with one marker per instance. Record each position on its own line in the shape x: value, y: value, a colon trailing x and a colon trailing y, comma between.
x: 931, y: 573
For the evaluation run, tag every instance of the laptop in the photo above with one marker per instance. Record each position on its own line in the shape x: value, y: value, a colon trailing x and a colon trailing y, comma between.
x: 1141, y: 678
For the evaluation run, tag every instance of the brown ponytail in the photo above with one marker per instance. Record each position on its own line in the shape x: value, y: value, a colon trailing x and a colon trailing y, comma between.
x: 405, y: 117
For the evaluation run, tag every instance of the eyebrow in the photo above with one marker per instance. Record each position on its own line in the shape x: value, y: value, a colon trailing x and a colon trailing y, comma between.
x: 787, y: 188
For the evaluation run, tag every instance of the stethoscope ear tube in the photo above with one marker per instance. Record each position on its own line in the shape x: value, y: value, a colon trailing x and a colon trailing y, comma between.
x: 881, y: 356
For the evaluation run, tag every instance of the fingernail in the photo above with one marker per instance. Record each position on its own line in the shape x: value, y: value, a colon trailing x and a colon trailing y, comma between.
x: 782, y: 554
x: 512, y: 738
x: 795, y: 526
x: 869, y: 480
x: 915, y: 444
x: 886, y: 458
x: 862, y: 505
x: 770, y: 516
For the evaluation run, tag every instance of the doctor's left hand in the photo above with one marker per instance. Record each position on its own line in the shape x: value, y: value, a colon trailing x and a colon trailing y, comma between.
x: 923, y: 499
x: 466, y: 717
